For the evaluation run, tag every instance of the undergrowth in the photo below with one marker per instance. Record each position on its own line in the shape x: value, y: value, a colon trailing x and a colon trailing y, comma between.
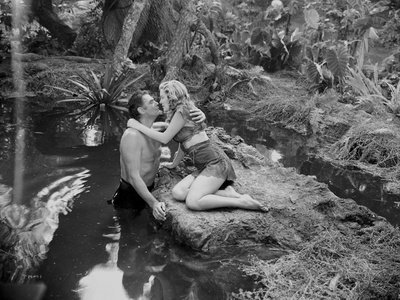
x: 291, y: 113
x: 376, y: 143
x: 339, y: 265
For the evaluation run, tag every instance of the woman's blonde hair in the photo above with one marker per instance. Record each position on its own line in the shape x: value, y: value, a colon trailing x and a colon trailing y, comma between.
x: 177, y: 94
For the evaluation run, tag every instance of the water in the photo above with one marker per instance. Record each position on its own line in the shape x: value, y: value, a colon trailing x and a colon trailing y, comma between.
x: 76, y: 244
x: 81, y: 248
x: 295, y: 150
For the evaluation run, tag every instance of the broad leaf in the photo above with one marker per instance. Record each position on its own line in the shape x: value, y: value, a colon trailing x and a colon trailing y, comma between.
x: 312, y: 72
x: 312, y: 18
x: 357, y: 4
x: 363, y: 23
x: 236, y: 37
x: 309, y: 53
x: 235, y: 47
x: 245, y: 35
x: 295, y: 51
x: 337, y: 60
x: 256, y: 36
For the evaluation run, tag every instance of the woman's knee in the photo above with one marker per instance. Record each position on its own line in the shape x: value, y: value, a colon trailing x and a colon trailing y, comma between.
x: 178, y: 193
x: 193, y: 203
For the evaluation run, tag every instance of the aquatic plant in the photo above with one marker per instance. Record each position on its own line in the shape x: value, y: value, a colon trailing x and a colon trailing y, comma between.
x: 103, y: 89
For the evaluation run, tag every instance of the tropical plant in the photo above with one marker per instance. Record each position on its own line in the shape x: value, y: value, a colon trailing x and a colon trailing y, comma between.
x: 90, y: 40
x: 104, y: 110
x: 371, y: 91
x: 333, y: 67
x: 390, y: 32
x: 100, y: 90
x: 351, y: 20
x: 265, y: 42
x: 393, y: 103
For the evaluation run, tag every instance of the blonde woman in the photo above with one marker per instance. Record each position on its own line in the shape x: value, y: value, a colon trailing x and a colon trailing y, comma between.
x: 201, y: 190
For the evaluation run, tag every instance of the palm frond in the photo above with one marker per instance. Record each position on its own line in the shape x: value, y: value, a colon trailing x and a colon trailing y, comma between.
x: 74, y: 100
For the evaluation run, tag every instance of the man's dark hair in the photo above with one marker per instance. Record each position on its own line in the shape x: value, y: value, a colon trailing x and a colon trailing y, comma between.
x: 135, y: 102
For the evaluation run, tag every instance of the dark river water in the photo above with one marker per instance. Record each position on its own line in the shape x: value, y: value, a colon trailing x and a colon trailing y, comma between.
x: 75, y: 245
x: 78, y: 247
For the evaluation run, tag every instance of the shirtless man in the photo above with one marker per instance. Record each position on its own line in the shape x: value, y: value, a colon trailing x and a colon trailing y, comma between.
x: 140, y: 157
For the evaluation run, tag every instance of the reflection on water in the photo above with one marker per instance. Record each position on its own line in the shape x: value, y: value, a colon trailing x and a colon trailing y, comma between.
x: 95, y: 126
x: 294, y: 150
x: 145, y: 263
x: 366, y: 189
x: 32, y: 225
x: 104, y: 281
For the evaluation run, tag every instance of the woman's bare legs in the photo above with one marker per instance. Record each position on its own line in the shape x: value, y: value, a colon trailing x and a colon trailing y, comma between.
x: 181, y: 189
x: 202, y: 195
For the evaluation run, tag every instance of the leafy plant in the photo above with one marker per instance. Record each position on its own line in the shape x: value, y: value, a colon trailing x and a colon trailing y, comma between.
x: 265, y: 42
x: 320, y: 77
x: 40, y: 41
x: 393, y: 103
x: 334, y: 66
x: 90, y: 41
x: 370, y: 92
x: 96, y: 90
x: 390, y: 32
x: 351, y: 20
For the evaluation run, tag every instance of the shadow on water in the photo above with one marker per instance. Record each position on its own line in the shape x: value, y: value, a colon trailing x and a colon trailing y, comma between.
x: 62, y: 235
x: 294, y: 150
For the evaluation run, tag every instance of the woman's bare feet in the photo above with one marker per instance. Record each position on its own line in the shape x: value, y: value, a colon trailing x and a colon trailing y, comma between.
x: 229, y: 191
x: 232, y: 192
x: 251, y: 203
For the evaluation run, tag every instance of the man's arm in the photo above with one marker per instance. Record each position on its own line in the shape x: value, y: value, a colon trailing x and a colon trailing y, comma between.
x: 131, y: 147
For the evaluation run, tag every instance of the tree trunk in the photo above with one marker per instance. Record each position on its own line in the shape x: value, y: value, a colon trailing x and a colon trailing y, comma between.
x: 131, y: 21
x: 43, y: 11
x: 156, y: 25
x: 180, y: 43
x: 211, y: 42
x: 158, y: 22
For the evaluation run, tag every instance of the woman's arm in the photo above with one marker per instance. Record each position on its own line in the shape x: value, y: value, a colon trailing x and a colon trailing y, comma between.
x: 179, y: 154
x: 176, y: 124
x: 159, y: 126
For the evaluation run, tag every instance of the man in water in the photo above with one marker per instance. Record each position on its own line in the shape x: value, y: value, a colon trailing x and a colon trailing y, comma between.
x: 140, y: 157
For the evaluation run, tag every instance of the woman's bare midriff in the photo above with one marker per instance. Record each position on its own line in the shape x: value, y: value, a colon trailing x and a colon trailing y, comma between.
x: 197, y: 138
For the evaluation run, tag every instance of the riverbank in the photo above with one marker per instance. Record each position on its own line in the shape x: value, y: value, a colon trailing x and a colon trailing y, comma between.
x: 305, y: 218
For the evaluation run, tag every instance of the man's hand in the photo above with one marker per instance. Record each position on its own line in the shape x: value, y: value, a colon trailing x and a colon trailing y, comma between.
x: 167, y: 165
x: 159, y: 211
x: 197, y: 115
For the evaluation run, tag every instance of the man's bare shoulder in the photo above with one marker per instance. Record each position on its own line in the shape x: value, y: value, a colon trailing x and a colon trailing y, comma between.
x: 132, y: 136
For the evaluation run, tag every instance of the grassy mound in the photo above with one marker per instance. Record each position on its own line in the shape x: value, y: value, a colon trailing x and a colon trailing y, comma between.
x: 371, y: 142
x: 361, y: 264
